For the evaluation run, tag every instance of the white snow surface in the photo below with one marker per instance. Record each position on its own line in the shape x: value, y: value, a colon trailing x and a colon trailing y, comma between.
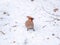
x: 13, y: 14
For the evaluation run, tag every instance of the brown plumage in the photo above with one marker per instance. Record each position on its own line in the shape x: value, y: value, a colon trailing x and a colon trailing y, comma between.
x: 29, y: 23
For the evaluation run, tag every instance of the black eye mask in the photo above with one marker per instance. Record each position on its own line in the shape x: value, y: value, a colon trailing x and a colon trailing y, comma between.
x: 32, y: 18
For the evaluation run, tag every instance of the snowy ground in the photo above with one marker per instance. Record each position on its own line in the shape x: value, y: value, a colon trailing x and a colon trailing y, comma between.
x: 46, y: 15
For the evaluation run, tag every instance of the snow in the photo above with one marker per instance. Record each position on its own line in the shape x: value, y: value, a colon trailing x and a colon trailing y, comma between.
x: 13, y: 14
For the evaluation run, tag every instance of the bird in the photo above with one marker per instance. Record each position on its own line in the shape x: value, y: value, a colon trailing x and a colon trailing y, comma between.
x: 29, y: 23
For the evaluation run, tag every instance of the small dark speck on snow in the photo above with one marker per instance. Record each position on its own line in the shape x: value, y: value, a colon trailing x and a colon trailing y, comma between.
x: 32, y: 0
x: 58, y: 37
x: 55, y: 10
x: 53, y: 34
x: 1, y: 18
x: 2, y: 32
x: 4, y: 12
x: 14, y: 41
x: 25, y: 42
x: 47, y: 37
x: 14, y: 26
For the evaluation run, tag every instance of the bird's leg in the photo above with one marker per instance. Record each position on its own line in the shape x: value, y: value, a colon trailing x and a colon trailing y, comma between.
x: 33, y: 29
x: 27, y: 29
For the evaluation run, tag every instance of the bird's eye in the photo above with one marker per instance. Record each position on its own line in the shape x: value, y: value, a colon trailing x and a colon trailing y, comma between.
x: 32, y: 18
